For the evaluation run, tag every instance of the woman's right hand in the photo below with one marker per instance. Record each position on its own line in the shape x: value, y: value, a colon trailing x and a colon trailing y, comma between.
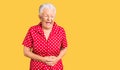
x: 50, y: 60
x: 45, y: 59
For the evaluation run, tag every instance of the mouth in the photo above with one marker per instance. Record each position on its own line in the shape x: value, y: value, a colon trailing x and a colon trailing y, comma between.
x: 48, y: 23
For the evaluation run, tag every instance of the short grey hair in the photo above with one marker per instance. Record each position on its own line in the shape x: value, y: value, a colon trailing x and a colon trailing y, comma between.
x: 46, y: 6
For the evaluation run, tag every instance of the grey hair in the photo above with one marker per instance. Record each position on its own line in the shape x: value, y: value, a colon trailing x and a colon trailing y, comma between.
x: 46, y: 6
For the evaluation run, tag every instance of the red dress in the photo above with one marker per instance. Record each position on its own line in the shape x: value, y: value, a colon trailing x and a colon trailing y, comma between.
x: 35, y: 39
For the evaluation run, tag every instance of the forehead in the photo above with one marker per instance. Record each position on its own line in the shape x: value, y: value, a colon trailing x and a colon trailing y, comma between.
x: 47, y: 11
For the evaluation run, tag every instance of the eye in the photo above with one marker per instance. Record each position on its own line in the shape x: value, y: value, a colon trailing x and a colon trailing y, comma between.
x: 45, y: 16
x: 52, y: 16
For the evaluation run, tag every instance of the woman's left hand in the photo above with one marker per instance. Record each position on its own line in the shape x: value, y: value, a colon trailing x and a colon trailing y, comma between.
x: 53, y: 60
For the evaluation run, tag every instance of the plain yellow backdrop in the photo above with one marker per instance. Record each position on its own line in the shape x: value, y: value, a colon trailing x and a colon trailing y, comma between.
x: 92, y: 27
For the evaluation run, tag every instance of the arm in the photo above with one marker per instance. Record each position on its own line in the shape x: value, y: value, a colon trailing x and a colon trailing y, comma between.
x: 62, y: 53
x: 55, y: 59
x: 63, y: 45
x: 30, y: 54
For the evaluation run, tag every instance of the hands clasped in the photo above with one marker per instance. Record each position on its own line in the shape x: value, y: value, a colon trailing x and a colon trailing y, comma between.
x: 50, y: 60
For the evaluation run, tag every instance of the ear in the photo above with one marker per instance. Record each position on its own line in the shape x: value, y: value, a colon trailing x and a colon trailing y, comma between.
x: 39, y: 17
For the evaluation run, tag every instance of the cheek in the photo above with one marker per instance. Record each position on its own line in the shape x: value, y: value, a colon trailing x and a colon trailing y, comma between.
x: 52, y: 19
x: 43, y: 19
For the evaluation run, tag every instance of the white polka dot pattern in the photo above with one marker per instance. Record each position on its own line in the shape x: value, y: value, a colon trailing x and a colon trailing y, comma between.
x: 35, y: 39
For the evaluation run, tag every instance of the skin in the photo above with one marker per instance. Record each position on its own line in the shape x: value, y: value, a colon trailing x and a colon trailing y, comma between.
x: 47, y: 19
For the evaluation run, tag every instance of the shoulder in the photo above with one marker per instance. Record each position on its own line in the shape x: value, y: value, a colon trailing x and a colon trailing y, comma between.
x: 34, y: 27
x: 60, y: 28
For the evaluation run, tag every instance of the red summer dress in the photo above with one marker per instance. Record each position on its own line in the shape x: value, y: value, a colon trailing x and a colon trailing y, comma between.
x: 36, y: 40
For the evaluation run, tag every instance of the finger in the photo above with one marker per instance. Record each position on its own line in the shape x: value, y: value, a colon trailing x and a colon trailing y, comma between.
x: 49, y: 63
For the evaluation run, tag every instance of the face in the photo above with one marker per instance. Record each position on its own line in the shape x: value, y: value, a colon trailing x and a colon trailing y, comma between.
x: 47, y: 18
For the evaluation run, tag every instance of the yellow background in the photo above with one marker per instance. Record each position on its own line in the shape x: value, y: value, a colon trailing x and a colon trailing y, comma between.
x: 92, y: 27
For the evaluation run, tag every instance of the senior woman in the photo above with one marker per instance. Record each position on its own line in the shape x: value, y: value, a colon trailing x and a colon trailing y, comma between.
x: 45, y: 43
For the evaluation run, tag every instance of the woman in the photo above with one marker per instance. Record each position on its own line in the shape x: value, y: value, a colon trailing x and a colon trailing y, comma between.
x: 46, y: 42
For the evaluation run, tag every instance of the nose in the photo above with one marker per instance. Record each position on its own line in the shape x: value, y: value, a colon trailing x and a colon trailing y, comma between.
x: 50, y: 18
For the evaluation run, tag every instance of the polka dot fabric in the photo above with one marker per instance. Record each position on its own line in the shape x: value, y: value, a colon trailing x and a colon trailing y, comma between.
x: 35, y: 39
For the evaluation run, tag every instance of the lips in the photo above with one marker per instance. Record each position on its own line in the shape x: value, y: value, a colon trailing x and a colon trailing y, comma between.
x: 48, y: 23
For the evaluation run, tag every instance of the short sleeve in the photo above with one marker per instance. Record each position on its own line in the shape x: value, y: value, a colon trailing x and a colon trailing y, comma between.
x: 64, y: 40
x: 28, y: 41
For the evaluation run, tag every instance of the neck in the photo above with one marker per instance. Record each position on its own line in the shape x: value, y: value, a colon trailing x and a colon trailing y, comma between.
x: 46, y: 28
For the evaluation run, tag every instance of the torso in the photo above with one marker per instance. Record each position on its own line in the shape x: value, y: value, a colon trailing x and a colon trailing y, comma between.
x: 47, y: 33
x: 45, y: 47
